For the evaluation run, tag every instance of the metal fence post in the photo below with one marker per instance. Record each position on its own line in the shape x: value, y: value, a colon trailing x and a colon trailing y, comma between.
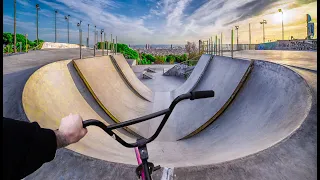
x: 220, y: 52
x: 104, y: 42
x: 218, y: 46
x: 232, y: 43
x: 26, y: 42
x: 113, y: 45
x: 214, y: 47
x: 80, y: 37
x: 107, y: 47
x: 221, y: 46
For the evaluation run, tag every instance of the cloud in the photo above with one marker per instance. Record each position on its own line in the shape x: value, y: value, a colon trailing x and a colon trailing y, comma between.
x: 8, y: 20
x: 94, y: 13
x: 305, y: 1
x: 23, y: 13
x: 250, y: 9
x: 166, y: 21
x: 25, y: 3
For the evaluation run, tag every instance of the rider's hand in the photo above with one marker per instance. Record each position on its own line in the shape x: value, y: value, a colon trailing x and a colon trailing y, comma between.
x: 70, y: 131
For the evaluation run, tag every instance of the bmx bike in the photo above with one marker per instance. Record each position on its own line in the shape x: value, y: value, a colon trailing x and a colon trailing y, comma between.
x: 145, y: 168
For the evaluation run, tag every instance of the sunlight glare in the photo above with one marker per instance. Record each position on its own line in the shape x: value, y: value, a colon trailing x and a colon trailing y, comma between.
x: 277, y: 17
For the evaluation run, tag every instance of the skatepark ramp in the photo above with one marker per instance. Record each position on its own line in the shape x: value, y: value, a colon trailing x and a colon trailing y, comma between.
x: 129, y: 77
x: 146, y: 75
x: 152, y: 70
x: 257, y: 105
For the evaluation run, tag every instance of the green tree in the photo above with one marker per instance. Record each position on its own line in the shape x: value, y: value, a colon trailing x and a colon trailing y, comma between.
x: 150, y: 57
x: 7, y: 38
x: 127, y: 52
x: 184, y: 57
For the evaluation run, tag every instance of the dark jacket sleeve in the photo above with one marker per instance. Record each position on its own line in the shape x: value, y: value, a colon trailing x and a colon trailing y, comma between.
x: 26, y: 146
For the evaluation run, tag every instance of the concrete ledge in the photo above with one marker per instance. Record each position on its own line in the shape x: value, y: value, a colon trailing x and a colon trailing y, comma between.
x: 52, y: 45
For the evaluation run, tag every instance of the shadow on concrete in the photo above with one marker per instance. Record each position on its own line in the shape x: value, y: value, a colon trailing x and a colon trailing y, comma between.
x: 90, y: 99
x: 13, y: 85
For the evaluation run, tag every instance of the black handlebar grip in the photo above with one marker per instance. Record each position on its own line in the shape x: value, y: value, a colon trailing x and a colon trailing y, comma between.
x: 201, y: 94
x: 90, y: 122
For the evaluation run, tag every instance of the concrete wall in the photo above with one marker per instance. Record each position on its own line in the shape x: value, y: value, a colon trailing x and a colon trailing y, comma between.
x: 302, y: 45
x: 267, y: 46
x: 297, y: 45
x: 52, y: 45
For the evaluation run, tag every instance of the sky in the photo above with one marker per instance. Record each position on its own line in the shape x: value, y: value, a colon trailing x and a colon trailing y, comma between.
x: 161, y: 21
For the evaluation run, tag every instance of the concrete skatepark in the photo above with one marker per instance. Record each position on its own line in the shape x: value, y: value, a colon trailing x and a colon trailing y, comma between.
x: 260, y: 125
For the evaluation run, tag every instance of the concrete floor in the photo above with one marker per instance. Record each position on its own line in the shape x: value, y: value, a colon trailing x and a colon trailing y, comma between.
x: 300, y: 59
x: 293, y: 158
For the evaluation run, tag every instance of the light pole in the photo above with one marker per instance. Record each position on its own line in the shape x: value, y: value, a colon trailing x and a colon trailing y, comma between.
x: 263, y: 23
x: 80, y: 38
x: 95, y: 36
x: 111, y: 45
x: 104, y: 42
x: 101, y: 42
x: 237, y: 29
x: 14, y: 27
x: 55, y: 25
x: 249, y: 36
x: 221, y: 46
x: 37, y: 7
x: 67, y: 19
x: 280, y: 10
x: 88, y: 36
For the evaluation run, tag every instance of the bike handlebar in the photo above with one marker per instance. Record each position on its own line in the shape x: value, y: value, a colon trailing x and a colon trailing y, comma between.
x: 167, y: 112
x: 201, y: 94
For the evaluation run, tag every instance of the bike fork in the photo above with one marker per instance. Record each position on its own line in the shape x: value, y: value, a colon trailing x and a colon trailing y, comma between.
x: 145, y: 168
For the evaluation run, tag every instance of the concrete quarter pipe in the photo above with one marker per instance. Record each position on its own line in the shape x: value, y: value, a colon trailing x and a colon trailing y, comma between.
x: 126, y: 72
x: 271, y: 104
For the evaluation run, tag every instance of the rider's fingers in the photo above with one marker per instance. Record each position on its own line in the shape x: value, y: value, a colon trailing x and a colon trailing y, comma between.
x: 84, y: 131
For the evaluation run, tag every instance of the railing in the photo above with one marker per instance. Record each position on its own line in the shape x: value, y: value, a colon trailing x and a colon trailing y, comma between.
x: 38, y: 47
x: 219, y: 49
x: 239, y: 47
x: 191, y: 62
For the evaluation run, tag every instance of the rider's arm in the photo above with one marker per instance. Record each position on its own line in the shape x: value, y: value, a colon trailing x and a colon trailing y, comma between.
x: 26, y: 146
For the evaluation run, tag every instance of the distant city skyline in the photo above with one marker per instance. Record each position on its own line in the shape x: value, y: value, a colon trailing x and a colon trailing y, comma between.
x: 163, y: 21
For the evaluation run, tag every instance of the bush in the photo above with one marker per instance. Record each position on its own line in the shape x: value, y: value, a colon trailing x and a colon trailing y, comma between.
x: 8, y: 49
x: 8, y: 40
x: 193, y: 55
x: 171, y: 58
x: 144, y: 61
x: 150, y: 58
x: 126, y: 51
x: 160, y: 60
x: 164, y: 59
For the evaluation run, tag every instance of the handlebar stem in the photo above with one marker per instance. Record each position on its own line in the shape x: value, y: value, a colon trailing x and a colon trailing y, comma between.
x: 167, y: 112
